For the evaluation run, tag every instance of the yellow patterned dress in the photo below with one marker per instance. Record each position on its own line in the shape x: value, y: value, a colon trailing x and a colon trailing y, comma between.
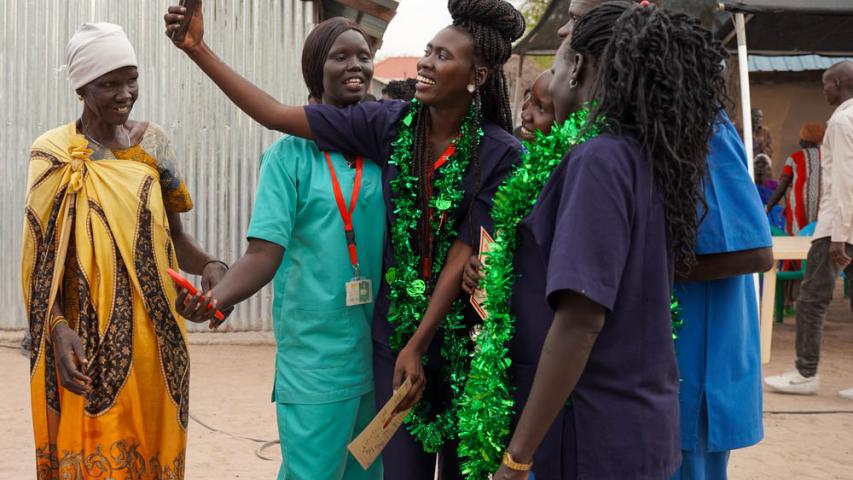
x: 96, y: 240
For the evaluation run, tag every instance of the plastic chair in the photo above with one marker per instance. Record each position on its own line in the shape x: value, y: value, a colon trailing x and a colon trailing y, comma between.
x: 782, y: 277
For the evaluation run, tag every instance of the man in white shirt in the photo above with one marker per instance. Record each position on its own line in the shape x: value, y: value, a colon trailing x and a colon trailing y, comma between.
x: 831, y: 250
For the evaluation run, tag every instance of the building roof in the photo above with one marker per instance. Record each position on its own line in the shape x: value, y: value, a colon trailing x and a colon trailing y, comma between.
x: 372, y: 15
x: 396, y: 68
x: 792, y: 63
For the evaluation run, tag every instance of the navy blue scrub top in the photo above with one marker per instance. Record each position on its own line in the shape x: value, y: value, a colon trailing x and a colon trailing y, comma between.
x: 599, y: 229
x: 369, y: 129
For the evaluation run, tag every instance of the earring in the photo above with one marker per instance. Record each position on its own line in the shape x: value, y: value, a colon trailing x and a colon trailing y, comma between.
x: 471, y: 88
x: 80, y: 97
x: 573, y: 83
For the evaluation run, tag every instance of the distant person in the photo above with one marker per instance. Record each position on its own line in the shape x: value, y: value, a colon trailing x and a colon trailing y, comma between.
x: 802, y: 175
x: 400, y: 90
x: 766, y: 185
x: 761, y: 139
x: 537, y: 111
x: 763, y: 174
x: 831, y: 250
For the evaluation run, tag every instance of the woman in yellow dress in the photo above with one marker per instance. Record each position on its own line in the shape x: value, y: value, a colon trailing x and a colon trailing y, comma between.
x: 109, y: 370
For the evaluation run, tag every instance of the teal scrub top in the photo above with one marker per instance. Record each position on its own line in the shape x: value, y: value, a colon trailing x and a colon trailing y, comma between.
x: 718, y: 349
x: 324, y: 348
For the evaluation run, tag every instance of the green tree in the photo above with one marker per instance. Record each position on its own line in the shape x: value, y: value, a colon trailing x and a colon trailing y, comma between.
x: 532, y: 11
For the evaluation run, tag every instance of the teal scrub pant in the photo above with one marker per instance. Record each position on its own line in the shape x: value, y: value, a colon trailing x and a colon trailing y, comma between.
x: 314, y: 439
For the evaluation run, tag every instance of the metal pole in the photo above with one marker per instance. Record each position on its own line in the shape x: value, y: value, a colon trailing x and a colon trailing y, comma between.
x: 746, y: 104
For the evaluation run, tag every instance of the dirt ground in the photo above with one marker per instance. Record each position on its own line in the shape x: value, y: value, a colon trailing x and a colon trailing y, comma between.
x: 230, y: 392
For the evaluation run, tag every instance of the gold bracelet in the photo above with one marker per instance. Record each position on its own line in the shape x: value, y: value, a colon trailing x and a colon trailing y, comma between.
x: 56, y: 321
x: 513, y: 465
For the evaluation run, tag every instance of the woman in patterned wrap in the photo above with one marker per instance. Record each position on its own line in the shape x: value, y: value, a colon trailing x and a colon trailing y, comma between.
x: 109, y: 369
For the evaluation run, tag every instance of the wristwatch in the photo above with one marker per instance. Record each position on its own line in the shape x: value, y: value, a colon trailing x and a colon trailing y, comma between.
x: 513, y: 465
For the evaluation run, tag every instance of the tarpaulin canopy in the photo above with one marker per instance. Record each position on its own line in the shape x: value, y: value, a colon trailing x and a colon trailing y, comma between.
x: 776, y: 27
x: 812, y: 7
x: 783, y: 27
x: 542, y: 39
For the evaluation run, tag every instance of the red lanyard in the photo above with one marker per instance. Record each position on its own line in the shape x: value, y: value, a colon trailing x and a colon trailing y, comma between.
x: 346, y: 215
x: 444, y: 158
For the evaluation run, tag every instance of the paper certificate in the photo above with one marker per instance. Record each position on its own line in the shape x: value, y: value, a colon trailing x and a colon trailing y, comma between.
x: 478, y: 298
x: 370, y: 442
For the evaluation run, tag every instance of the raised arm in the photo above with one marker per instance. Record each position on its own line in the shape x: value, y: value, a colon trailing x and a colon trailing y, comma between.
x: 259, y: 105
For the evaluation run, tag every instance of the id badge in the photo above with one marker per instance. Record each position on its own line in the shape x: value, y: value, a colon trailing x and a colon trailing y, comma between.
x: 359, y: 291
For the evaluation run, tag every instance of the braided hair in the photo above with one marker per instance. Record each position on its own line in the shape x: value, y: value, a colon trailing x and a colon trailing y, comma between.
x: 318, y: 43
x: 493, y: 26
x: 660, y: 80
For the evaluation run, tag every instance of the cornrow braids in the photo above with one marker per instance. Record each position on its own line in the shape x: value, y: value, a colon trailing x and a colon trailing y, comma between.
x: 660, y: 80
x: 316, y: 49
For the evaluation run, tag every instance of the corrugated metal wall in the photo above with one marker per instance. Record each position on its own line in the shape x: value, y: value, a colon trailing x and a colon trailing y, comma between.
x: 218, y: 146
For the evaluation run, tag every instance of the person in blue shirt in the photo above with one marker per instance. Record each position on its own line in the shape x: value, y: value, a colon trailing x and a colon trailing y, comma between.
x: 718, y: 347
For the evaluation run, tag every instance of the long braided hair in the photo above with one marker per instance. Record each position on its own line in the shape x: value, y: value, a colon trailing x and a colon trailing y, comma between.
x: 493, y: 26
x: 660, y: 80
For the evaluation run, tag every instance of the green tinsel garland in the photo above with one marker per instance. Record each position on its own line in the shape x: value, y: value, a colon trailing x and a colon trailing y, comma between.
x: 485, y: 410
x: 409, y: 293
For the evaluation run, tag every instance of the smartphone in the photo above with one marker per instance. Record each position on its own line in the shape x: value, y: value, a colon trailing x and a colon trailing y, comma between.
x: 190, y: 5
x: 182, y: 282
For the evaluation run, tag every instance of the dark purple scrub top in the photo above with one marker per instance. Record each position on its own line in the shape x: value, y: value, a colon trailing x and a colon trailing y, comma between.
x: 598, y: 228
x: 369, y: 129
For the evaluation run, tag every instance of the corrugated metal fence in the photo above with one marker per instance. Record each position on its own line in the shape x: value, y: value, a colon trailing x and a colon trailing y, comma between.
x: 218, y: 147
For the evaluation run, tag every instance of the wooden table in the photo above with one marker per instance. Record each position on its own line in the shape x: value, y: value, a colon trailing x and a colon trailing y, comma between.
x: 784, y: 248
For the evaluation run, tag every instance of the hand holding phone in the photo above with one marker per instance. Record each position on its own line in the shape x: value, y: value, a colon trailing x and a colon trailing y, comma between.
x: 177, y: 35
x: 182, y: 282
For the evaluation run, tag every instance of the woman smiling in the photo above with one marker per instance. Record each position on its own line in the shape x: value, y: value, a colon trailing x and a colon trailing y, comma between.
x: 443, y: 157
x: 109, y: 366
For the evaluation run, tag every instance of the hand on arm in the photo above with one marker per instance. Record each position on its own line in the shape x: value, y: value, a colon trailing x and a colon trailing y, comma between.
x: 248, y: 275
x: 259, y: 105
x: 577, y: 323
x: 447, y: 289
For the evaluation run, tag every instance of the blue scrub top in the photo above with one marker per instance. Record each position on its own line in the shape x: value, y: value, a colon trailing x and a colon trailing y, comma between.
x: 721, y: 317
x: 599, y: 229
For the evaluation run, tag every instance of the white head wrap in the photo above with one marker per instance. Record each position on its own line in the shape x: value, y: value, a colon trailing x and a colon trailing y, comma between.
x: 96, y: 49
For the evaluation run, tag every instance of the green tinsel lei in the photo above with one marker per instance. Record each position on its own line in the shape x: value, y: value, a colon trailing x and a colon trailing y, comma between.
x: 485, y: 410
x: 409, y: 292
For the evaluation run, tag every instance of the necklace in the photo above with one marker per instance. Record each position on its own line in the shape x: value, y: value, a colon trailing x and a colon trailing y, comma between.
x: 411, y: 285
x: 92, y: 139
